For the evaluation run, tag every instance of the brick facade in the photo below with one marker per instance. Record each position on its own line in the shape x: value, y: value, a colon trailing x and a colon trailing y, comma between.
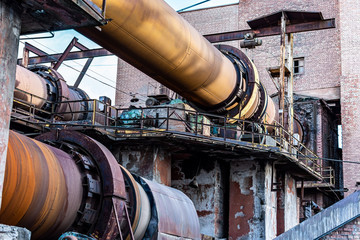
x: 350, y: 230
x: 350, y: 89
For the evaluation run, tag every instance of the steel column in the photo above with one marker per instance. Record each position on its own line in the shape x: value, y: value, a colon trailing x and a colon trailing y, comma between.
x: 291, y: 83
x: 9, y: 39
x: 282, y: 73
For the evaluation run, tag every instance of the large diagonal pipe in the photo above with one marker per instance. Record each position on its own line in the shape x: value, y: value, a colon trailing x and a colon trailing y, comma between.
x: 154, y: 38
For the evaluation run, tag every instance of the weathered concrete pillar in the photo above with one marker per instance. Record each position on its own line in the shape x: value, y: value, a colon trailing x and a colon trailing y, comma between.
x: 291, y: 207
x: 152, y: 162
x: 248, y: 201
x: 253, y: 202
x: 10, y: 25
x: 205, y: 181
x: 280, y: 210
x: 287, y: 205
x: 270, y: 203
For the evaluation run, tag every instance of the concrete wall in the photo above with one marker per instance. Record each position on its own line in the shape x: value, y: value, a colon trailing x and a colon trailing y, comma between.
x: 14, y: 233
x: 291, y: 208
x: 151, y: 162
x: 209, y: 196
x: 233, y: 199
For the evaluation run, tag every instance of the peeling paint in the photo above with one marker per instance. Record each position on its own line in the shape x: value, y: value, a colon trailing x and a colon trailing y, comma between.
x: 9, y: 39
x: 291, y: 209
x: 239, y: 214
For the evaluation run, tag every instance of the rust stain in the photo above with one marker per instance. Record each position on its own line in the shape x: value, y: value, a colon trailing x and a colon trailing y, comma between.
x: 162, y: 167
x: 241, y: 208
x: 291, y: 189
x: 204, y: 213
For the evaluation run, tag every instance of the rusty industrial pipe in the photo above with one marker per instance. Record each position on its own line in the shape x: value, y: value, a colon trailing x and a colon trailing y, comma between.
x: 77, y: 184
x: 154, y: 38
x: 42, y: 86
x: 42, y: 188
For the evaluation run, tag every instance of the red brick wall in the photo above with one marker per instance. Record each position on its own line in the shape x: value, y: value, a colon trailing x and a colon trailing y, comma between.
x: 349, y: 231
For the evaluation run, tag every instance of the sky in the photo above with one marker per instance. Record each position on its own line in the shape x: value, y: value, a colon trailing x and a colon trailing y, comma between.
x: 102, y: 69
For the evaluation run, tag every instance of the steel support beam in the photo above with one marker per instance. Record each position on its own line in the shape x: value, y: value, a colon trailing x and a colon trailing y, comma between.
x: 9, y: 40
x: 214, y: 38
x: 65, y: 53
x: 99, y: 52
x: 271, y: 31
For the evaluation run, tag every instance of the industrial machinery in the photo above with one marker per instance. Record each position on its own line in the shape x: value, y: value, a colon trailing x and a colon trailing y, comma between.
x: 74, y: 182
x: 40, y: 86
x: 66, y: 180
x: 151, y: 36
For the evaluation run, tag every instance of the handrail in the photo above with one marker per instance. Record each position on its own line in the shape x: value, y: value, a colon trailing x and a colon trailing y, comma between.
x: 171, y: 119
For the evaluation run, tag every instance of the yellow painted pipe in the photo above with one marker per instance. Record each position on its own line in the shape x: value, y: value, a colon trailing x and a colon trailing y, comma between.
x: 42, y: 188
x: 154, y: 38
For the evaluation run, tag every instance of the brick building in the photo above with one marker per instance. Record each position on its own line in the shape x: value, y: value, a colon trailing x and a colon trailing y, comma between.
x: 327, y: 60
x: 327, y: 79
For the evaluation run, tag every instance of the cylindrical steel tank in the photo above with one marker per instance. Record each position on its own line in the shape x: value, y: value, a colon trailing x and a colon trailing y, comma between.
x: 42, y: 188
x: 76, y: 184
x: 46, y: 90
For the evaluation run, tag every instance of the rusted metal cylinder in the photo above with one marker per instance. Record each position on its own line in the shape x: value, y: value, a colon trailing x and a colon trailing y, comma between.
x: 171, y: 207
x: 138, y: 205
x: 30, y: 87
x: 42, y: 188
x: 157, y: 210
x: 45, y: 88
x: 104, y: 202
x: 49, y: 190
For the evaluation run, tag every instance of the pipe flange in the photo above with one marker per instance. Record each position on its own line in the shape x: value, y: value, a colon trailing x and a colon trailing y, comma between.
x: 112, y: 181
x: 261, y: 109
x: 58, y: 81
x: 92, y: 194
